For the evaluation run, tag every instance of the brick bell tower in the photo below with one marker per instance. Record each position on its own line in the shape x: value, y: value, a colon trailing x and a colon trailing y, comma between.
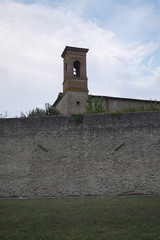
x: 75, y: 83
x: 75, y: 78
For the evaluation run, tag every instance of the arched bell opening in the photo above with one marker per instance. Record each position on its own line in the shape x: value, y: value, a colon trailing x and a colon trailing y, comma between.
x: 76, y: 69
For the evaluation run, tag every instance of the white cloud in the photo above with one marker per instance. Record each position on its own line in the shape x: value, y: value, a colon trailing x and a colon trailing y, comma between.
x: 32, y: 38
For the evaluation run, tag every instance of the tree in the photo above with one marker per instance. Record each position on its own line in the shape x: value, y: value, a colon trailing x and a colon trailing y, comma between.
x: 38, y: 112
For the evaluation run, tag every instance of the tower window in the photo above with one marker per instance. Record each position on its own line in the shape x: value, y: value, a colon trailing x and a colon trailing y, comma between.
x: 76, y: 69
x: 66, y: 66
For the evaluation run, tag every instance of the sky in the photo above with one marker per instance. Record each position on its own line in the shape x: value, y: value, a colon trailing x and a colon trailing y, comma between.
x: 123, y: 37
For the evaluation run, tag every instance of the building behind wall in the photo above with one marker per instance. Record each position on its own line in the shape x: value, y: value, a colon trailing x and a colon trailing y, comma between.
x: 75, y: 88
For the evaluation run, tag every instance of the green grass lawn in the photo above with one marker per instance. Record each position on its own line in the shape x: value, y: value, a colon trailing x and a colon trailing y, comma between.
x: 80, y: 218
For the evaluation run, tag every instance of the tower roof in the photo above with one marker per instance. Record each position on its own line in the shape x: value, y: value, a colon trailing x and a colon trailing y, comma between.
x: 67, y: 48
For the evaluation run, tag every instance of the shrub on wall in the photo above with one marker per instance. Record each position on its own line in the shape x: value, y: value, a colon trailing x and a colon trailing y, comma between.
x: 94, y: 105
x: 37, y: 112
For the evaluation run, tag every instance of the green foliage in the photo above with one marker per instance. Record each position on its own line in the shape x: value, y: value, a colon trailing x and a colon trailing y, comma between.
x: 142, y: 108
x: 51, y: 111
x: 94, y: 105
x: 89, y: 107
x: 37, y: 112
x: 116, y: 114
x: 78, y: 118
x: 153, y: 107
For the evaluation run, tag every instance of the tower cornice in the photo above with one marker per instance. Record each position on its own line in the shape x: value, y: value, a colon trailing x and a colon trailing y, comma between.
x: 76, y: 49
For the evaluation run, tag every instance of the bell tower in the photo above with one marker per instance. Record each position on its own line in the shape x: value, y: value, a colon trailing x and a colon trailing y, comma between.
x: 75, y: 82
x: 74, y: 60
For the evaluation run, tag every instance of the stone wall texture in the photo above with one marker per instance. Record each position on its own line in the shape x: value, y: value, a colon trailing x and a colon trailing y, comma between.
x: 117, y: 104
x: 72, y: 102
x: 81, y: 155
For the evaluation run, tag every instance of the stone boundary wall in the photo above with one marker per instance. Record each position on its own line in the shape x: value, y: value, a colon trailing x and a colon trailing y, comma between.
x: 81, y: 155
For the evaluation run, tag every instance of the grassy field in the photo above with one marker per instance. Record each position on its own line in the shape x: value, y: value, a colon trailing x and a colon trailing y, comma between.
x: 86, y: 219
